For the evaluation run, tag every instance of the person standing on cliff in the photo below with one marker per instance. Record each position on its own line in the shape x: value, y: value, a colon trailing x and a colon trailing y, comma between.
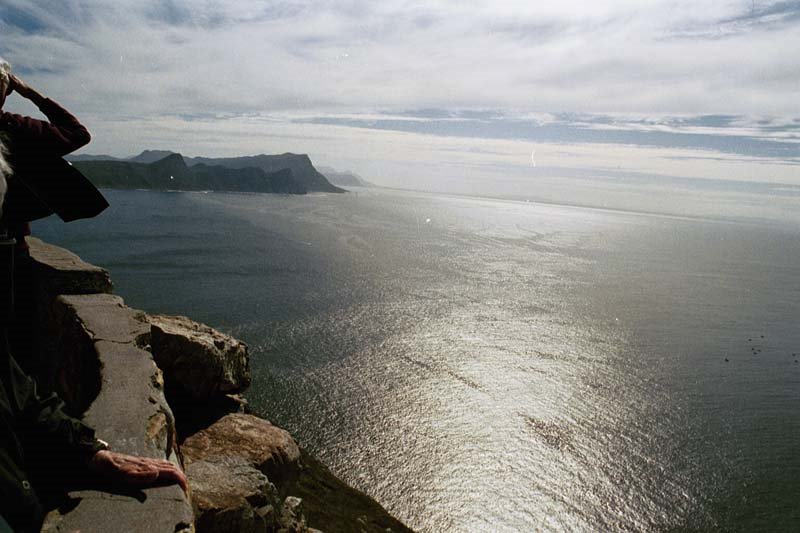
x: 35, y: 429
x: 34, y: 151
x: 41, y: 183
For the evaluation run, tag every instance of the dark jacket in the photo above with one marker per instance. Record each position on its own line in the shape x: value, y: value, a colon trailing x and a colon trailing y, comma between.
x: 43, y: 183
x: 31, y: 429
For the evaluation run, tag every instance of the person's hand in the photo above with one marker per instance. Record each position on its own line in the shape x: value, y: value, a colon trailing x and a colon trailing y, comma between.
x: 139, y: 472
x: 22, y: 88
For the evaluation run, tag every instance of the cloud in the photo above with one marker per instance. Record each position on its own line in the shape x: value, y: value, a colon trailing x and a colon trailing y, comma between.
x: 717, y: 77
x: 758, y: 15
x: 248, y: 56
x: 730, y: 134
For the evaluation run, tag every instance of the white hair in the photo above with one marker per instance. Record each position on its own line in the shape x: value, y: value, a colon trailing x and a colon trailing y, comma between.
x: 5, y: 72
x: 5, y: 170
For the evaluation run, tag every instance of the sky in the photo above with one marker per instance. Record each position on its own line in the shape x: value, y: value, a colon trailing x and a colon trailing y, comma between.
x: 463, y: 96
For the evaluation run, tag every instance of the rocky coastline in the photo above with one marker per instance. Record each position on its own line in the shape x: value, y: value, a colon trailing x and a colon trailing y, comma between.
x: 172, y: 388
x: 170, y: 171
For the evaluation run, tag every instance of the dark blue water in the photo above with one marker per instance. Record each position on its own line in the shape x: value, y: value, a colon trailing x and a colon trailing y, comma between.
x: 483, y: 365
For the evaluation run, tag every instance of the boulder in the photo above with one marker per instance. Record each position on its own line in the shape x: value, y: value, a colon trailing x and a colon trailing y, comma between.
x: 226, y: 464
x: 291, y: 519
x: 198, y: 361
x: 229, y: 495
x: 268, y: 448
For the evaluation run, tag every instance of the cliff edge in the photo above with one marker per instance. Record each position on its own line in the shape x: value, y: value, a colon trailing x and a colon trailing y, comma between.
x: 169, y: 387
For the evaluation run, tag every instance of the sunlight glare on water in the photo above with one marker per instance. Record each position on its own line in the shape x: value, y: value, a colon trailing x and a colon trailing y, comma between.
x: 482, y: 365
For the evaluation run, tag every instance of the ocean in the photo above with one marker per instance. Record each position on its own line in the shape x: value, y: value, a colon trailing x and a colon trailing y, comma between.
x: 495, y: 365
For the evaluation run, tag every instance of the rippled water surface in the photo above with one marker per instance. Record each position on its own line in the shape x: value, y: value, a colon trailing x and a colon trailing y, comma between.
x: 482, y: 365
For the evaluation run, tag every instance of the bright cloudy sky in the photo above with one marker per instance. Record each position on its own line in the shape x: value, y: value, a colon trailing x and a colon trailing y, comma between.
x: 391, y: 88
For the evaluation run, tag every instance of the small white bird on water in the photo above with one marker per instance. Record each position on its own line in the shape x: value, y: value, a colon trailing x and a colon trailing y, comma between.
x: 533, y: 158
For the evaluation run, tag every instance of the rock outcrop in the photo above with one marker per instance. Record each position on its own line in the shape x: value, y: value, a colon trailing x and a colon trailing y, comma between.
x: 302, y: 169
x: 228, y: 494
x: 344, y: 178
x: 245, y: 474
x: 106, y: 375
x: 198, y: 360
x: 268, y: 448
x: 163, y: 169
x: 173, y: 174
x: 53, y: 271
x: 59, y: 271
x: 231, y: 467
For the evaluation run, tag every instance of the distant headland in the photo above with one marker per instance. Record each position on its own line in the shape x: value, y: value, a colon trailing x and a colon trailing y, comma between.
x: 344, y: 178
x: 164, y: 170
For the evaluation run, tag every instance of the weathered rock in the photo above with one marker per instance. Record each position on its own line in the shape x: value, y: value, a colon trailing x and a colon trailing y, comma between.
x: 160, y: 509
x: 106, y: 317
x: 121, y: 390
x: 59, y: 271
x: 226, y: 463
x: 78, y: 323
x: 230, y: 495
x: 291, y: 517
x: 268, y: 448
x: 198, y: 360
x: 108, y: 376
x: 50, y: 271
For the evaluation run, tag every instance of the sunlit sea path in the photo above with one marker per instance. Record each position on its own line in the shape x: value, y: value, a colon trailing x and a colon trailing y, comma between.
x: 486, y: 365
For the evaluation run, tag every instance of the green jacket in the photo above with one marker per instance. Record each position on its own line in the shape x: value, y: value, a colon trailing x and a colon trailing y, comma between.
x: 33, y: 429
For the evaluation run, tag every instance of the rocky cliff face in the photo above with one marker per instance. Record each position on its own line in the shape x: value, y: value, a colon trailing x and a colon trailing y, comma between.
x: 172, y: 173
x: 287, y: 173
x: 344, y: 178
x: 300, y: 165
x: 168, y: 387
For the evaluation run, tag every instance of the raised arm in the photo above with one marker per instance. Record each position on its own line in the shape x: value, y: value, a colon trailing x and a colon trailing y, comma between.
x: 61, y: 134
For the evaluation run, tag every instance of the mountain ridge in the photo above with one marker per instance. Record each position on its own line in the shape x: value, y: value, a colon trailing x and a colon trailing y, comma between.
x: 343, y: 178
x: 303, y: 171
x: 173, y: 173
